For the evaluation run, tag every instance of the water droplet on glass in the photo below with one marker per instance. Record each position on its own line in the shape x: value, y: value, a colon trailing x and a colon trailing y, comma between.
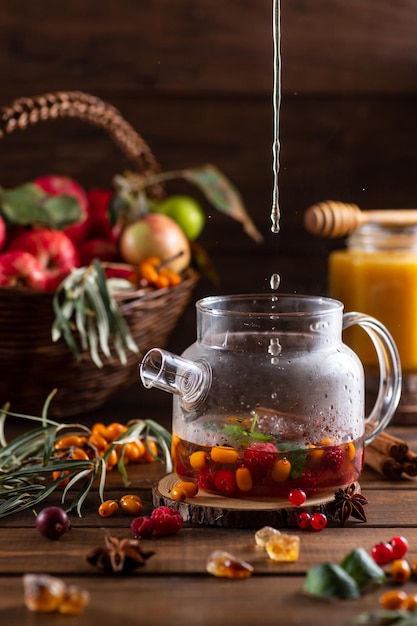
x: 274, y: 347
x: 275, y: 281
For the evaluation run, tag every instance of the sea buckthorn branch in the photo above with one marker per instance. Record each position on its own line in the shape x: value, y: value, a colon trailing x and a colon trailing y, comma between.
x: 53, y: 455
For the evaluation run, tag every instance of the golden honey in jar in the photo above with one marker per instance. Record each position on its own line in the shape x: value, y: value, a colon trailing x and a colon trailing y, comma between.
x: 377, y: 274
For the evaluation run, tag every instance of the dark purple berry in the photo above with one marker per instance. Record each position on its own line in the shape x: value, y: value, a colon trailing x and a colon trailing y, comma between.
x: 52, y: 522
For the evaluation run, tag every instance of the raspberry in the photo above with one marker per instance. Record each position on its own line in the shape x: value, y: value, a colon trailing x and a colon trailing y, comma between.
x: 166, y: 521
x: 259, y: 458
x: 142, y: 526
x: 333, y: 458
x: 225, y: 482
x: 308, y: 483
x: 205, y: 479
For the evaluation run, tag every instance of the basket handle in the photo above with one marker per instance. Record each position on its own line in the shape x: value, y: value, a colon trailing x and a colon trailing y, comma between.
x: 25, y: 112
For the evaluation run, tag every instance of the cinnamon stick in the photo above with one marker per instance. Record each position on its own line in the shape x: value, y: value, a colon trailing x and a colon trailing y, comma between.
x: 410, y: 464
x: 390, y: 446
x: 383, y: 464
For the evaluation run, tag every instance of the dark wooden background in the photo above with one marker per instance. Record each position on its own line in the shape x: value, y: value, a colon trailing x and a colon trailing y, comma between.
x: 194, y: 77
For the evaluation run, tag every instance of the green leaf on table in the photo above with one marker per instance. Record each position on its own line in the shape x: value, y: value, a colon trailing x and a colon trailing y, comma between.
x: 28, y: 204
x: 223, y: 196
x: 362, y: 568
x: 332, y: 582
x: 376, y: 618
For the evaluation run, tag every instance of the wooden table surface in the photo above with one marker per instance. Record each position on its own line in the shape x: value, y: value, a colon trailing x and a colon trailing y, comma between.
x: 174, y: 588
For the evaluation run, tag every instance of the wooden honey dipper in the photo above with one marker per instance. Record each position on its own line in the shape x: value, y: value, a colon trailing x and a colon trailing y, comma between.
x: 337, y: 219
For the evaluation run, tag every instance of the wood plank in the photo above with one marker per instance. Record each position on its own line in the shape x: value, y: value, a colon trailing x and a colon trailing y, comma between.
x: 209, y: 48
x: 187, y: 552
x: 190, y: 601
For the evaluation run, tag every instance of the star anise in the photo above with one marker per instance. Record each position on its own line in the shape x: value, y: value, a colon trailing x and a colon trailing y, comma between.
x: 348, y: 502
x: 119, y: 556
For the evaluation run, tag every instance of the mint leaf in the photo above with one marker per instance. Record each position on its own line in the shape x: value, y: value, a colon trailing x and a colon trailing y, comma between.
x: 298, y: 460
x: 362, y: 568
x: 332, y: 582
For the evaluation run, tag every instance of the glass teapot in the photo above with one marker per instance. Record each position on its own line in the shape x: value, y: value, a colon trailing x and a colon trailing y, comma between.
x: 269, y: 398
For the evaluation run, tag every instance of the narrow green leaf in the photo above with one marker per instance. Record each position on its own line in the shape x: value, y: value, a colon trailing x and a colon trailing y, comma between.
x: 93, y: 342
x: 223, y: 195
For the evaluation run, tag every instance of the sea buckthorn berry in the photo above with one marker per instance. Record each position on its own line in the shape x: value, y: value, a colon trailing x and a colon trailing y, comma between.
x: 198, y: 460
x: 161, y: 281
x: 304, y: 520
x: 410, y: 603
x: 223, y: 454
x: 315, y: 454
x: 98, y: 429
x: 98, y: 441
x: 400, y: 571
x: 399, y: 546
x: 112, y: 459
x: 131, y: 504
x: 108, y: 508
x: 113, y: 431
x: 318, y: 521
x: 190, y: 488
x: 69, y: 441
x: 148, y: 272
x: 178, y: 494
x: 393, y: 600
x: 56, y: 475
x: 382, y: 553
x: 350, y: 450
x: 244, y: 480
x: 133, y: 451
x: 297, y: 497
x: 151, y: 451
x: 281, y: 470
x: 78, y: 454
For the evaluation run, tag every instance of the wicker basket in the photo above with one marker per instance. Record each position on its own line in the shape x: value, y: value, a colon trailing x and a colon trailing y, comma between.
x: 30, y: 364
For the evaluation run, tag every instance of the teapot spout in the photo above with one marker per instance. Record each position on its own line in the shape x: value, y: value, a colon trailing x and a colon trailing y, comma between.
x: 188, y: 379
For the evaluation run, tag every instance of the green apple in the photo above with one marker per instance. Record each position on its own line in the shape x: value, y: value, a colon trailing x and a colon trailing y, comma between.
x: 187, y: 212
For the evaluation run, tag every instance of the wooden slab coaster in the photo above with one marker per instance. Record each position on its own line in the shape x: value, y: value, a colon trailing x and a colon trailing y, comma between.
x: 213, y: 510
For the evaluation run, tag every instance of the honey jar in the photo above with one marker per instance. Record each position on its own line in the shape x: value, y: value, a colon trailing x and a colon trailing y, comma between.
x: 377, y: 273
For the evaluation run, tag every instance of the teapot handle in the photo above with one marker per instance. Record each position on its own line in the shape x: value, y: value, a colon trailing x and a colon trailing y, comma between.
x: 390, y: 377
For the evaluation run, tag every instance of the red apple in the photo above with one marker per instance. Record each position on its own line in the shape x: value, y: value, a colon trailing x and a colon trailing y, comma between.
x: 96, y: 248
x: 21, y: 269
x: 54, y: 251
x: 155, y: 235
x: 99, y: 224
x: 120, y: 270
x: 63, y: 185
x: 3, y: 233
